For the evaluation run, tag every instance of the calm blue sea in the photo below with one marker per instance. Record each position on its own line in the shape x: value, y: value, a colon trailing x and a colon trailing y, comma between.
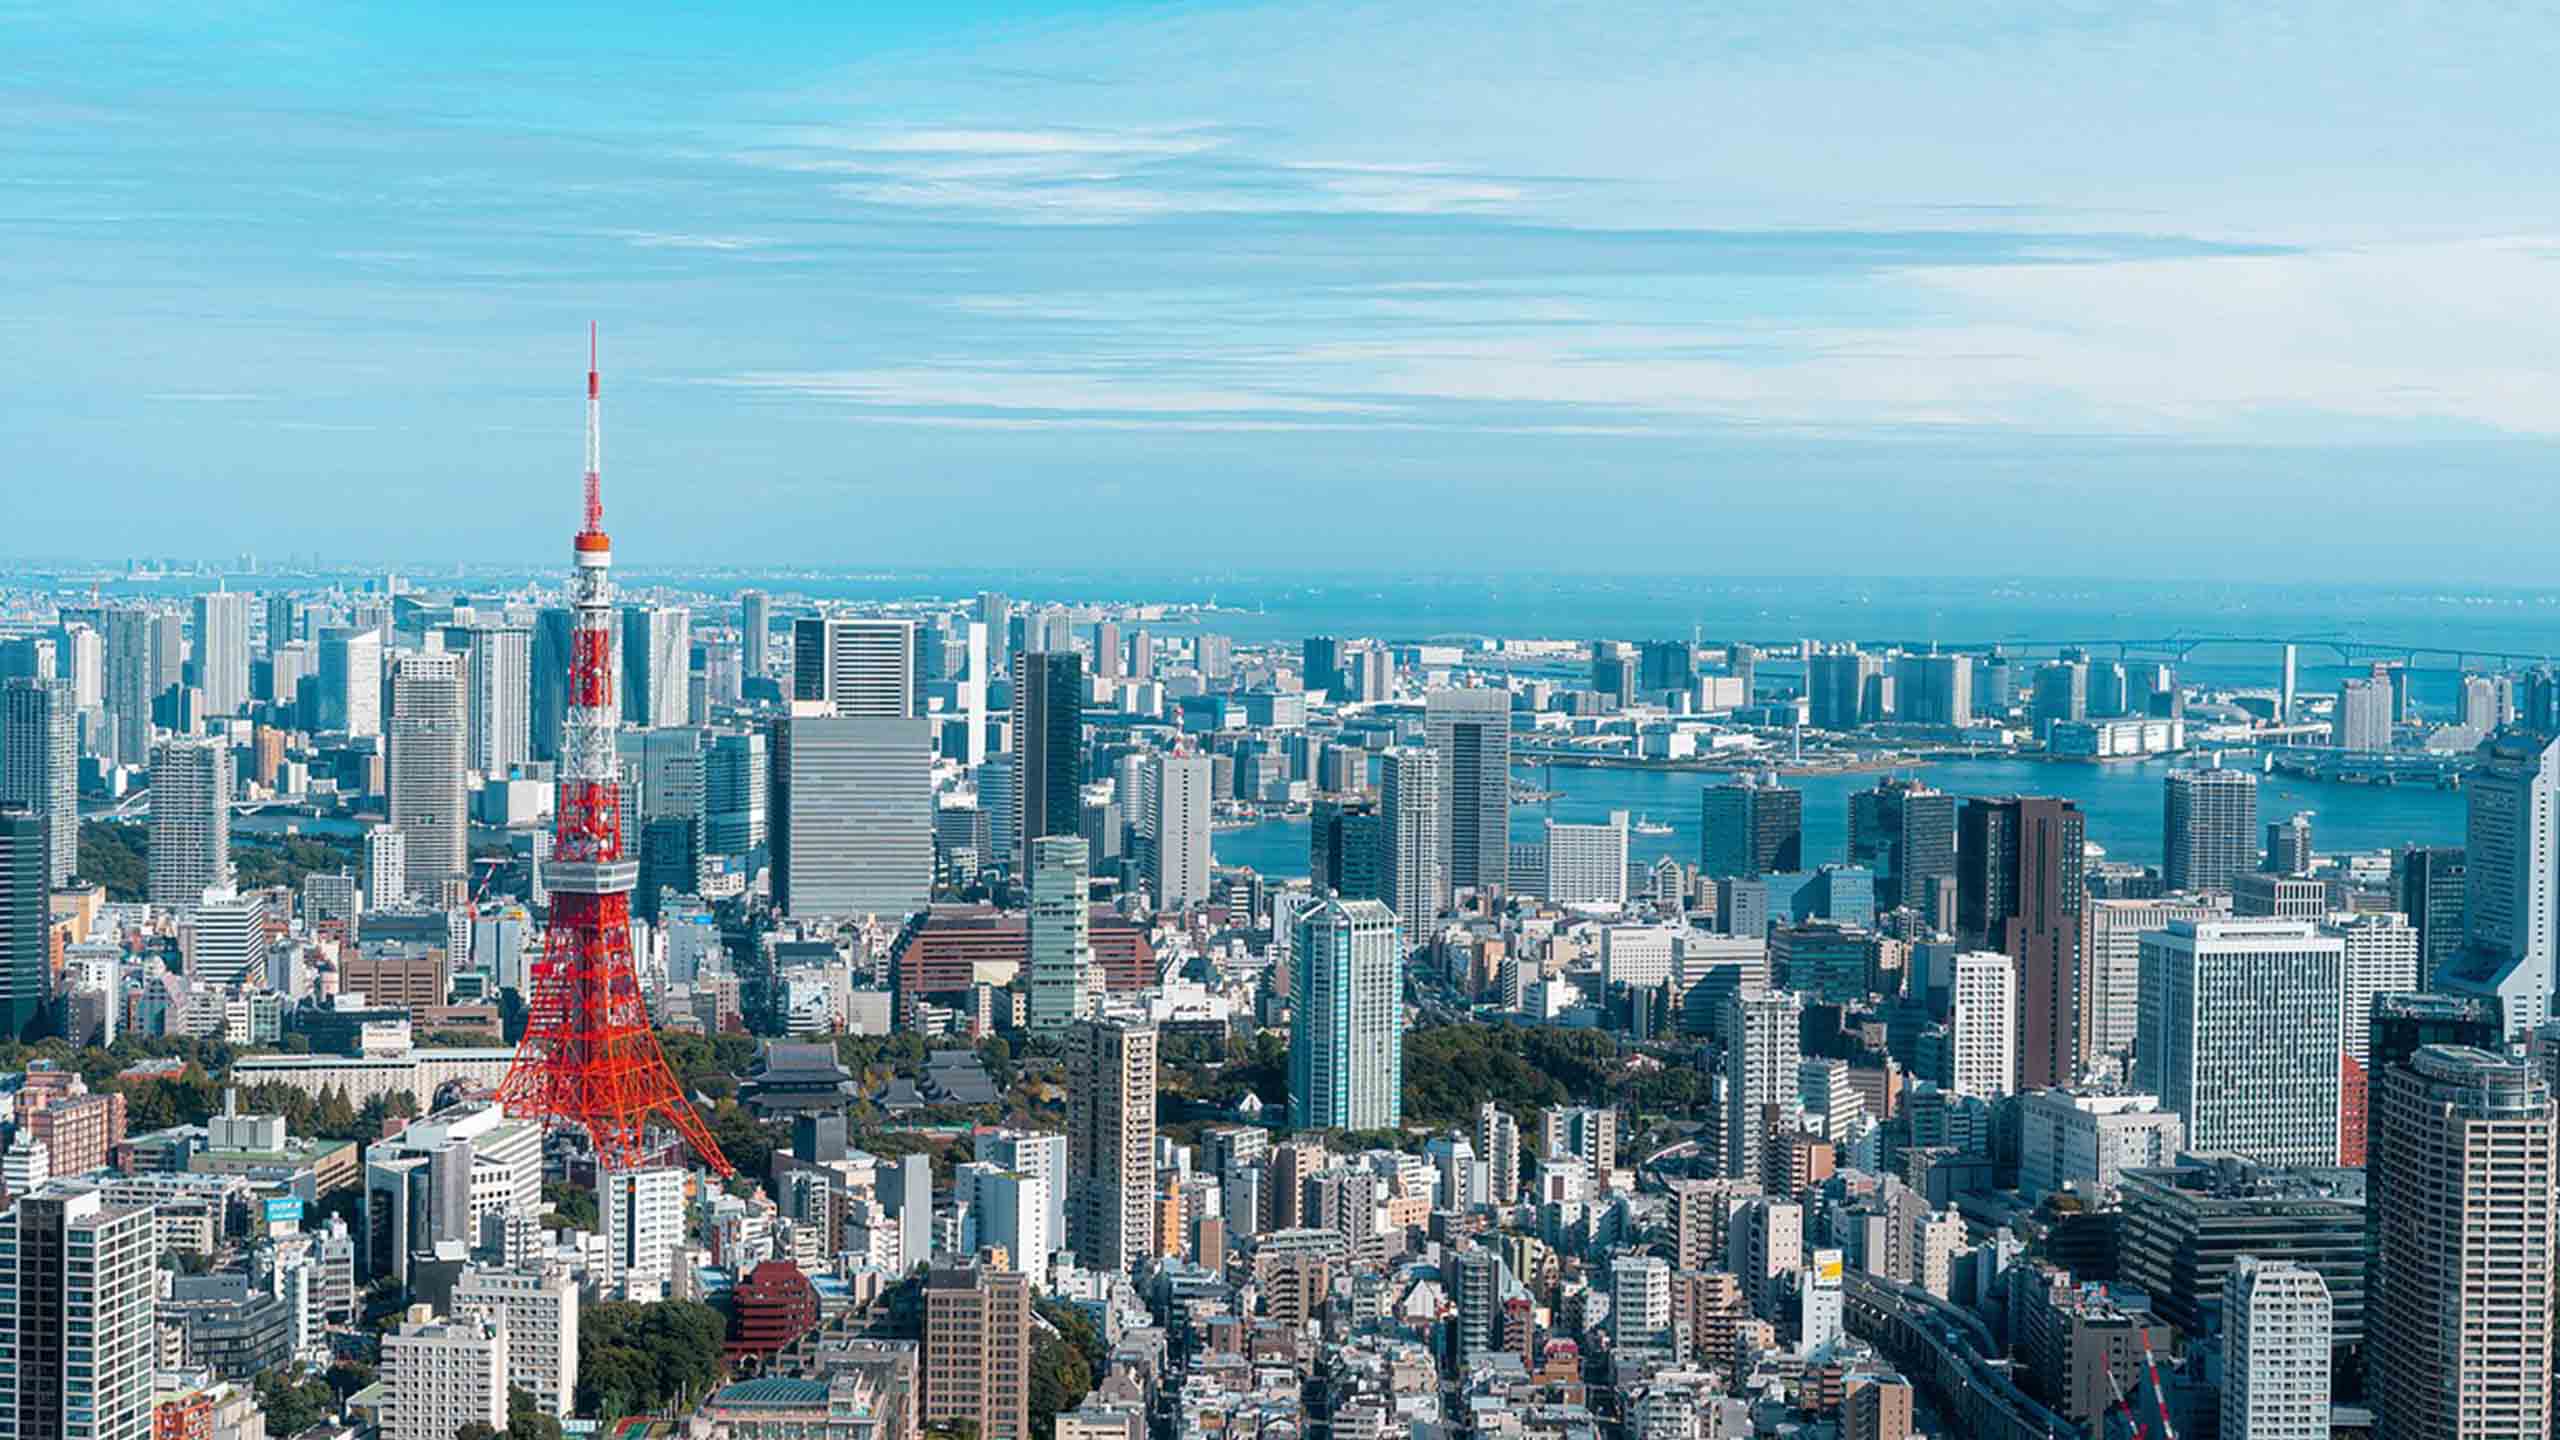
x: 2122, y: 803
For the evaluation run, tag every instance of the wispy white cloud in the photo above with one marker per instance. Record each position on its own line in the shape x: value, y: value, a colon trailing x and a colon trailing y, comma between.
x: 698, y: 242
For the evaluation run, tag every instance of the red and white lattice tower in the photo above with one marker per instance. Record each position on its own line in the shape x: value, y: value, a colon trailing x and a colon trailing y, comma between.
x: 588, y: 1059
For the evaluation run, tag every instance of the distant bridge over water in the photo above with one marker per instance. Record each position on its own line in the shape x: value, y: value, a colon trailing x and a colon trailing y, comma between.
x: 2180, y: 646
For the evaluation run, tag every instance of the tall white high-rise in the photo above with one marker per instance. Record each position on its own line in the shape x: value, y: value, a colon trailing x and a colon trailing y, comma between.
x: 351, y: 680
x: 1111, y: 1143
x: 78, y: 1308
x: 2511, y: 883
x: 1413, y: 858
x: 1042, y: 1156
x: 1470, y: 730
x: 2209, y: 825
x: 643, y: 1214
x: 974, y: 694
x: 1174, y: 824
x: 2240, y: 1035
x: 1064, y: 984
x: 190, y: 821
x: 1012, y: 1209
x: 2364, y: 715
x: 501, y: 699
x: 441, y: 1375
x: 657, y: 656
x: 386, y: 867
x: 39, y: 757
x: 427, y: 783
x: 222, y: 652
x: 1346, y: 1044
x: 852, y: 806
x: 755, y: 632
x: 1758, y: 1038
x: 2111, y: 966
x: 867, y: 666
x: 1587, y: 864
x: 1639, y: 1303
x: 540, y: 1313
x: 2381, y: 958
x: 227, y: 941
x: 2462, y: 1343
x: 1983, y: 1026
x: 2275, y: 1351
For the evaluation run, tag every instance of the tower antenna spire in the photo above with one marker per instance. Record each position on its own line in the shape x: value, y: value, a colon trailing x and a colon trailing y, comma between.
x: 589, y: 1060
x: 595, y: 442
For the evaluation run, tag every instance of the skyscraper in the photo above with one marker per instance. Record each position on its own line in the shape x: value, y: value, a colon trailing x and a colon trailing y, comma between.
x: 755, y: 631
x: 2240, y: 1035
x: 283, y: 621
x: 2209, y: 828
x: 1758, y: 1039
x: 2020, y: 889
x: 2364, y: 715
x: 1063, y: 982
x: 227, y: 941
x: 1982, y: 1026
x: 39, y: 756
x: 1750, y: 827
x: 858, y: 666
x: 190, y: 821
x: 1048, y: 730
x: 1905, y: 832
x: 2380, y: 958
x: 222, y: 652
x: 1413, y: 863
x: 2462, y: 1330
x: 852, y: 802
x: 429, y: 796
x: 386, y: 867
x: 1111, y: 1142
x: 78, y: 1309
x: 2429, y: 883
x: 26, y: 961
x: 1173, y: 828
x: 1843, y: 689
x: 2511, y: 893
x: 351, y: 681
x: 657, y: 655
x: 499, y: 707
x: 977, y: 1352
x: 1320, y: 665
x: 2275, y: 1351
x: 2061, y: 693
x: 2400, y: 1027
x: 1346, y: 1044
x: 1343, y: 839
x: 1933, y: 690
x: 735, y: 775
x: 2289, y: 845
x: 1470, y: 730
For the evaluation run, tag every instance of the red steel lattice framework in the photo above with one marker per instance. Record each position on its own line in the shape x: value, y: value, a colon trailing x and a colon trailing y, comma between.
x: 588, y: 1058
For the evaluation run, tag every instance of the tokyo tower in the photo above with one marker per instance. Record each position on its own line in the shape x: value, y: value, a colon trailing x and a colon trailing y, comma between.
x: 588, y: 1058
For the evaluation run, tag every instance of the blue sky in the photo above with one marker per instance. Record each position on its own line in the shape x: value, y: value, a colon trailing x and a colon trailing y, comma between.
x: 2102, y: 288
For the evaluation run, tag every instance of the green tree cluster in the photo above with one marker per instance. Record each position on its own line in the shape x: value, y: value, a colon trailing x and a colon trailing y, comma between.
x: 294, y: 1403
x: 638, y: 1358
x: 117, y: 854
x: 1450, y: 1069
x: 261, y: 860
x: 571, y: 1205
x: 1063, y: 1364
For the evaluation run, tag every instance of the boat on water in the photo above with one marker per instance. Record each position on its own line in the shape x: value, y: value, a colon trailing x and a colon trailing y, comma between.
x: 1647, y: 825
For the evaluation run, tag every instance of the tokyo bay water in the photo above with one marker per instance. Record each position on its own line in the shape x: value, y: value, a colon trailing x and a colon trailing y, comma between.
x: 2122, y: 802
